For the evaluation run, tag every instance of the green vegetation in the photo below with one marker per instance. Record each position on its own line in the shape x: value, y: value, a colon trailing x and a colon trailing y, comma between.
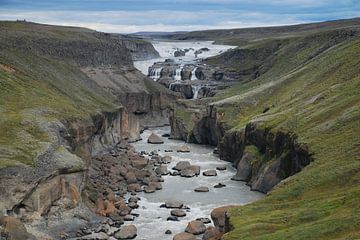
x: 317, y: 98
x: 41, y: 81
x: 308, y: 83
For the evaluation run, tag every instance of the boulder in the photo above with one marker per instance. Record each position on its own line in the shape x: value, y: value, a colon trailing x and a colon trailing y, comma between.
x: 172, y: 218
x: 162, y: 170
x: 219, y: 185
x: 204, y: 220
x: 187, y: 173
x: 182, y: 165
x: 98, y: 236
x: 173, y: 204
x: 212, y: 233
x: 184, y: 236
x: 130, y: 178
x: 210, y: 173
x: 183, y: 149
x: 155, y: 139
x: 221, y: 168
x: 195, y: 227
x: 195, y: 168
x: 139, y: 162
x: 126, y: 232
x: 134, y: 187
x: 149, y: 189
x: 218, y: 215
x: 201, y: 189
x: 168, y: 232
x: 178, y: 213
x: 166, y: 159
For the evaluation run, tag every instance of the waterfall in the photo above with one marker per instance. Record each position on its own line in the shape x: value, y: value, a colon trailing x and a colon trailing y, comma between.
x: 158, y: 73
x: 196, y: 90
x: 178, y: 73
x: 155, y: 73
x: 193, y: 74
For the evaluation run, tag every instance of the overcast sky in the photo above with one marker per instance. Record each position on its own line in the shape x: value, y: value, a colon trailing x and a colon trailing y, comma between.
x: 126, y: 16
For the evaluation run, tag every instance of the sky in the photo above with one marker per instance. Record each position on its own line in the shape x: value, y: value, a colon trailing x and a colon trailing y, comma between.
x: 128, y: 16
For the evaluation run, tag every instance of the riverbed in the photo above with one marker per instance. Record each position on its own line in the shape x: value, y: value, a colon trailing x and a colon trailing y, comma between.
x: 152, y: 222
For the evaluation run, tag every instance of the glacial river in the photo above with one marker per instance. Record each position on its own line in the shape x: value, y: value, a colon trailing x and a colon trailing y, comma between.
x: 152, y: 223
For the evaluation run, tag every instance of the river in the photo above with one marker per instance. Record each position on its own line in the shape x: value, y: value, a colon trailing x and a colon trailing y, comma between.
x: 152, y: 222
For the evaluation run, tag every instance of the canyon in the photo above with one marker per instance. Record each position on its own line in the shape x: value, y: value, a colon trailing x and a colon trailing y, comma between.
x: 78, y: 107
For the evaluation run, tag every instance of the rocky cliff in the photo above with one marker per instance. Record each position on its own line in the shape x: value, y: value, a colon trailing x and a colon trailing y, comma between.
x: 67, y: 95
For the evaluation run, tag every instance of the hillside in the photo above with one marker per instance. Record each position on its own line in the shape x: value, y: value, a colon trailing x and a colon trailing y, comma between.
x: 243, y: 36
x: 302, y: 86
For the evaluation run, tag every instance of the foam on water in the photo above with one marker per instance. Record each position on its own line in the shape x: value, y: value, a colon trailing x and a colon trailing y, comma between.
x: 152, y: 222
x: 166, y: 50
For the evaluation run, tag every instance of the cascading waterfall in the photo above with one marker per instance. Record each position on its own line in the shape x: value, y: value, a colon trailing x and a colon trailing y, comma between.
x: 178, y: 73
x: 196, y: 90
x: 193, y: 74
x: 155, y: 73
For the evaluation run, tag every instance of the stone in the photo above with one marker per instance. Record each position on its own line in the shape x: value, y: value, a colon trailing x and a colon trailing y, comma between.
x: 98, y: 236
x: 133, y: 205
x: 201, y: 189
x: 182, y: 165
x: 130, y: 178
x: 149, y: 189
x: 139, y: 162
x: 178, y: 213
x: 219, y: 185
x: 155, y: 139
x: 218, y: 215
x: 166, y: 159
x: 168, y: 232
x: 173, y: 204
x: 162, y: 170
x: 183, y: 149
x: 116, y: 217
x: 129, y: 218
x: 221, y: 168
x: 195, y: 227
x: 204, y: 220
x: 172, y: 218
x: 184, y: 236
x: 124, y: 210
x: 194, y: 168
x: 99, y: 206
x: 212, y: 233
x: 126, y: 232
x: 188, y: 173
x: 156, y: 185
x: 133, y: 199
x: 134, y: 187
x: 210, y: 173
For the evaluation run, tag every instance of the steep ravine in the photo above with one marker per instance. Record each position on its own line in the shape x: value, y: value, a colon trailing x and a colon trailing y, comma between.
x: 263, y: 156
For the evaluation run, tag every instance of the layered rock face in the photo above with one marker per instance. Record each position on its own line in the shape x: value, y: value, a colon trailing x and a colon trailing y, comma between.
x: 113, y: 102
x: 263, y: 156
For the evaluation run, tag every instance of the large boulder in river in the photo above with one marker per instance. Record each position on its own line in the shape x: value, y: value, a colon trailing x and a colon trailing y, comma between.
x: 195, y: 168
x: 183, y: 149
x: 126, y: 232
x: 195, y: 227
x: 155, y: 139
x: 210, y: 173
x: 173, y: 204
x: 201, y: 189
x: 188, y: 173
x: 162, y: 170
x: 178, y: 213
x: 184, y: 236
x: 182, y: 165
x: 218, y: 215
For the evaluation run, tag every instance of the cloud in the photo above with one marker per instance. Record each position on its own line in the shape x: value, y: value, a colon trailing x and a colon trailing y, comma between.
x: 173, y: 19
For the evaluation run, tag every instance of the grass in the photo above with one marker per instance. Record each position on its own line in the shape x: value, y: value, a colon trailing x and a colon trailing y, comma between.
x: 320, y: 102
x: 309, y: 86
